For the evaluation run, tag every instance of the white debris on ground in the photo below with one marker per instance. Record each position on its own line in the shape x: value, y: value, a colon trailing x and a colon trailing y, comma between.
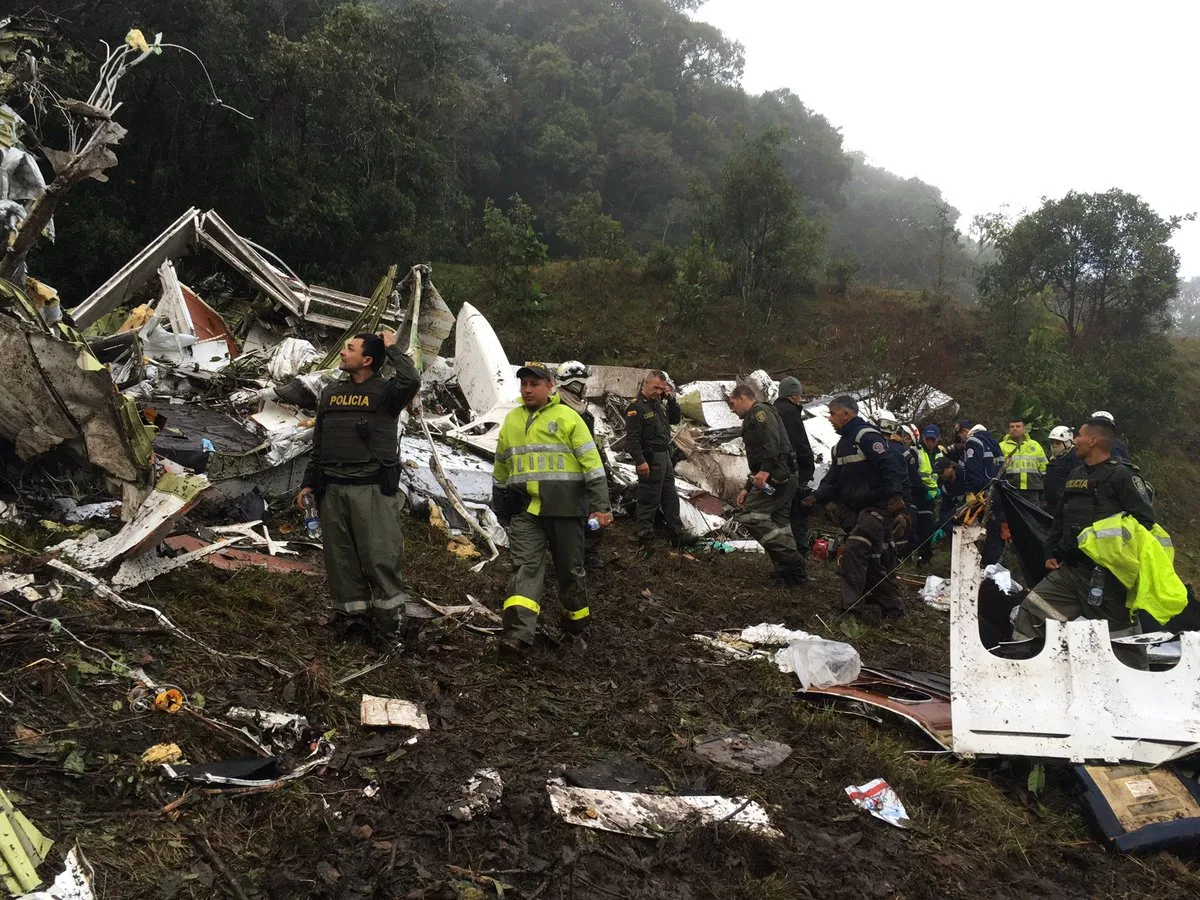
x: 653, y: 815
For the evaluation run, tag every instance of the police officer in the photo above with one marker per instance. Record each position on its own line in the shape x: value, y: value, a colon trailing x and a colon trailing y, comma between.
x: 981, y: 463
x: 648, y: 421
x: 354, y: 473
x: 867, y: 481
x: 1099, y: 487
x: 1119, y: 453
x: 788, y: 405
x: 548, y: 479
x: 766, y: 500
x: 1025, y: 461
x: 571, y: 378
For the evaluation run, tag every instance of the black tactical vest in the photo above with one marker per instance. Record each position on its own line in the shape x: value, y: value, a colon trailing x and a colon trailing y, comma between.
x: 356, y: 427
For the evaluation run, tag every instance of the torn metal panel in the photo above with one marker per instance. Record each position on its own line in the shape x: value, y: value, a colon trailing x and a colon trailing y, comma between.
x: 57, y: 395
x: 1074, y: 700
x: 149, y: 565
x: 717, y: 471
x: 471, y: 476
x: 173, y: 495
x: 207, y: 323
x: 179, y: 239
x: 485, y: 376
x: 218, y: 233
x: 427, y: 320
x: 920, y: 698
x: 231, y: 559
x: 613, y: 381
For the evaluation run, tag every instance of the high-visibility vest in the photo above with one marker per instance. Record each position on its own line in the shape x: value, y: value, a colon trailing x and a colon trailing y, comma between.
x: 925, y: 464
x: 549, y: 455
x: 1142, y: 560
x: 1026, y: 463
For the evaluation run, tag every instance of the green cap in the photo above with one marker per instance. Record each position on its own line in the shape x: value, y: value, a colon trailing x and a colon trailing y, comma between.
x: 790, y: 387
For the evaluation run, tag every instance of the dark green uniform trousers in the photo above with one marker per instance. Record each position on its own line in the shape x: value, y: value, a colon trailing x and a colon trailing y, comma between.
x: 1062, y: 596
x: 655, y: 491
x: 529, y: 539
x: 768, y: 519
x: 364, y: 552
x: 866, y: 562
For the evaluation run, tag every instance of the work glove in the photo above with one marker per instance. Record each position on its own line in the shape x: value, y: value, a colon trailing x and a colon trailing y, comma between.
x: 973, y: 500
x: 931, y: 494
x: 901, y: 527
x: 1005, y: 534
x: 896, y: 506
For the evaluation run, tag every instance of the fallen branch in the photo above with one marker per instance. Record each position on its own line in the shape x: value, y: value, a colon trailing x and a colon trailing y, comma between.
x: 103, y: 590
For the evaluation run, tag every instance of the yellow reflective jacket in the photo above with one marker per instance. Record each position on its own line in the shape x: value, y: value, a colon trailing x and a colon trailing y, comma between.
x: 548, y: 457
x: 1026, y: 463
x: 1143, y: 560
x: 925, y: 466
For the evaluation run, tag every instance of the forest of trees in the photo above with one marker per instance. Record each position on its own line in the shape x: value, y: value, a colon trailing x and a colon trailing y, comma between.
x: 382, y: 130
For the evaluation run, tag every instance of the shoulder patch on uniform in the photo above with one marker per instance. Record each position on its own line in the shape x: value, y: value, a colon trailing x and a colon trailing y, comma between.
x: 552, y: 427
x: 878, y: 447
x: 970, y: 452
x: 632, y: 412
x: 1139, y: 484
x: 760, y: 416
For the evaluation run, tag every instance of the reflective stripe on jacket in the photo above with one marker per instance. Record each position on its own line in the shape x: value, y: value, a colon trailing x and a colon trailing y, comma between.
x: 1026, y: 463
x: 1143, y: 560
x: 549, y: 456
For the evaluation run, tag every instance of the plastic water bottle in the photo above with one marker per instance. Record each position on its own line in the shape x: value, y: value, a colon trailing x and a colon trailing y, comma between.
x: 1095, y: 595
x: 312, y: 521
x: 593, y: 524
x: 768, y: 489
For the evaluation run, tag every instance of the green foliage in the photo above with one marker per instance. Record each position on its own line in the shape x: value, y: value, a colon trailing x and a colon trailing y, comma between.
x: 841, y: 272
x: 701, y: 278
x: 510, y: 249
x: 590, y: 232
x: 660, y: 265
x: 1101, y: 263
x: 758, y: 226
x: 901, y: 230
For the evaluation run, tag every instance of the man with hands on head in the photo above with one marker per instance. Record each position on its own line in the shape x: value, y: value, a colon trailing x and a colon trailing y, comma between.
x: 354, y: 473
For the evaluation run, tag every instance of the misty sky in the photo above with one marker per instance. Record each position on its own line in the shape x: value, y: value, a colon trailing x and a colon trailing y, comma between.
x: 996, y: 103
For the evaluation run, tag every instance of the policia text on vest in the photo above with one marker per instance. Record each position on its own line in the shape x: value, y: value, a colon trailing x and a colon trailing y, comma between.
x: 355, y: 473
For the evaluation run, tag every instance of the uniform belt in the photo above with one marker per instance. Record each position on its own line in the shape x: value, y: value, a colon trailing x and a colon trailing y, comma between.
x: 362, y: 479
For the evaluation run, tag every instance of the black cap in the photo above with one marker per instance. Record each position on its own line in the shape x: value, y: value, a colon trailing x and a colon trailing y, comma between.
x: 535, y: 372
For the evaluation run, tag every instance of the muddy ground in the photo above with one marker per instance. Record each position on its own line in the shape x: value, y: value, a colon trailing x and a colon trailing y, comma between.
x: 72, y: 742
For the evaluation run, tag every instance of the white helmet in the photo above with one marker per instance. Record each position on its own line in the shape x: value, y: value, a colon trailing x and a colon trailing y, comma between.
x: 913, y: 432
x: 887, y: 424
x: 1061, y: 433
x: 572, y: 374
x: 1104, y: 414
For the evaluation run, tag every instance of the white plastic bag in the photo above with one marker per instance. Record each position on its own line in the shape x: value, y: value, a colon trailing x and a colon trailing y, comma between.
x: 820, y: 663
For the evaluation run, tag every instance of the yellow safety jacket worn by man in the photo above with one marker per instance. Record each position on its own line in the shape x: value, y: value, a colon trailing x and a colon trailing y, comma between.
x: 1026, y: 463
x: 1143, y: 560
x: 548, y: 477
